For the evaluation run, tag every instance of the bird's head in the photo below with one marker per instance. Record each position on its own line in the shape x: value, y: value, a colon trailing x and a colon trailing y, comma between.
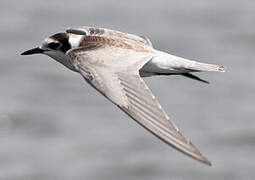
x: 56, y: 47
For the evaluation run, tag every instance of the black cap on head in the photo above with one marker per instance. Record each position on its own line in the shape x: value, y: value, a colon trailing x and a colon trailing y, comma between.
x: 60, y: 42
x: 63, y: 39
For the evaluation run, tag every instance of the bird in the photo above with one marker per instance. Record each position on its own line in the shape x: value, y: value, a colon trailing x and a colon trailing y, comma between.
x: 114, y: 63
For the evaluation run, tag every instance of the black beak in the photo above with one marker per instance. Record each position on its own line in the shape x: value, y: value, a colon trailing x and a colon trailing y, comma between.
x: 33, y: 51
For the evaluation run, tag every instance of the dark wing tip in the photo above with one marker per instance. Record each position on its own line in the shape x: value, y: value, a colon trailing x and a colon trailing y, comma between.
x: 205, y: 161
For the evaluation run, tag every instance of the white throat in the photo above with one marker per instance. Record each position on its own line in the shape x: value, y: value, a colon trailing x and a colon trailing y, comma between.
x: 62, y: 58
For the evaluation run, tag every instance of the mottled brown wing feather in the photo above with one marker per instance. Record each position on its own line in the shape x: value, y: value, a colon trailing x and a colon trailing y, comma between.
x: 92, y: 31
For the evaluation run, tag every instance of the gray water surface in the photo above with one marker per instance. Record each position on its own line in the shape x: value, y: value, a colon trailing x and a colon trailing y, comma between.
x: 54, y: 126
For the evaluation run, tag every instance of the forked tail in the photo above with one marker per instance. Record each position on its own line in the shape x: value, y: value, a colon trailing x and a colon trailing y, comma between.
x: 167, y: 64
x: 197, y: 66
x: 201, y: 67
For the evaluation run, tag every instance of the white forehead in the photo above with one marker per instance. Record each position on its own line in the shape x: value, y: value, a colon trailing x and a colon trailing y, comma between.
x: 49, y: 40
x: 46, y: 41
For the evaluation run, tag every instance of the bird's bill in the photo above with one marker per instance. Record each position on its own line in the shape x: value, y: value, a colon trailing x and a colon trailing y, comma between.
x: 36, y: 50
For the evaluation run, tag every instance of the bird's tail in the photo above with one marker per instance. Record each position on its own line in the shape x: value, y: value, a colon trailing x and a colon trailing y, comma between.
x: 170, y: 62
x: 197, y: 66
x: 167, y: 64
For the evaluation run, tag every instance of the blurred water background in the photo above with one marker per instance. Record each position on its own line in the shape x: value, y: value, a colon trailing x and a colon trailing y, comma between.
x: 54, y: 126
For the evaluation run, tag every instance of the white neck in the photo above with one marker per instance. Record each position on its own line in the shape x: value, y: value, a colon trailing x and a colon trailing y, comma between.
x: 74, y: 40
x: 61, y: 58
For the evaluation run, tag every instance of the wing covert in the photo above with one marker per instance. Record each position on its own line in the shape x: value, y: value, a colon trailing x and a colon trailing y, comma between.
x: 92, y: 31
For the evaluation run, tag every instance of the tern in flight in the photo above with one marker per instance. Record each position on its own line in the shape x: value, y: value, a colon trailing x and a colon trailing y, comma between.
x: 113, y: 63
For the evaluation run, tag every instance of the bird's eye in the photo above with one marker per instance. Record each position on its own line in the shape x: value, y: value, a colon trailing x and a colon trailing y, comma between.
x: 54, y: 45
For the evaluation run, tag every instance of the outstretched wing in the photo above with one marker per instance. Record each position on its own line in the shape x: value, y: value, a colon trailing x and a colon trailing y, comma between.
x: 92, y: 31
x: 119, y: 81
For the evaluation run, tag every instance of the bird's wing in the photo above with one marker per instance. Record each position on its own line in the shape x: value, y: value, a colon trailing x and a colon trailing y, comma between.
x: 119, y: 81
x: 92, y: 31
